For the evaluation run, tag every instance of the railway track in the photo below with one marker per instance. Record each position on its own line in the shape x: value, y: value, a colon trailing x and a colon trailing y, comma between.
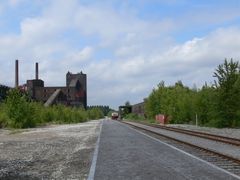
x: 214, y: 137
x: 225, y: 162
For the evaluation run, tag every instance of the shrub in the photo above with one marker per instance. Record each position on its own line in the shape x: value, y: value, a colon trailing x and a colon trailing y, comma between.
x: 216, y: 123
x: 19, y: 110
x: 132, y: 116
x: 3, y: 116
x: 95, y: 113
x: 80, y: 115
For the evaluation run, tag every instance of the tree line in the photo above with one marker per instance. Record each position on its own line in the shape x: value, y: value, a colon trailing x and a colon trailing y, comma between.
x: 104, y: 109
x: 216, y: 105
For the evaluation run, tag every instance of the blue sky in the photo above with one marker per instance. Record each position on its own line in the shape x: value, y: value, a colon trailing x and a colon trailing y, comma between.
x: 125, y: 47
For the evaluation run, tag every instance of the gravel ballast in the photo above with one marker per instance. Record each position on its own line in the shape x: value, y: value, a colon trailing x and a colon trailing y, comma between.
x: 54, y: 152
x: 228, y: 132
x: 226, y: 149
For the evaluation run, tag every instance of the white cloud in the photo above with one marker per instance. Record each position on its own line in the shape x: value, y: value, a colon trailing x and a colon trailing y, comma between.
x: 193, y: 62
x: 142, y: 52
x: 113, y: 26
x: 78, y: 57
x: 83, y: 55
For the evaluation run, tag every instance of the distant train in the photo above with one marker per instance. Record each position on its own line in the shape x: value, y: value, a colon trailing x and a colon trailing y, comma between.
x: 114, y: 115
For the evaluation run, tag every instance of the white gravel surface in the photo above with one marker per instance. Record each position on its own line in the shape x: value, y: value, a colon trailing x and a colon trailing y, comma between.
x: 53, y: 152
x: 229, y: 132
x: 230, y: 150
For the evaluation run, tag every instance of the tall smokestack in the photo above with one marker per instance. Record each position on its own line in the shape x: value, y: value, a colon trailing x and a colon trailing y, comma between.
x: 36, y: 77
x: 16, y: 74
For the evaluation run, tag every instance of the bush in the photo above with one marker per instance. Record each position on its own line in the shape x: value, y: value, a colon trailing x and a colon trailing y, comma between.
x: 3, y: 116
x: 132, y: 116
x: 20, y: 112
x: 95, y: 113
x: 79, y: 115
x: 216, y: 123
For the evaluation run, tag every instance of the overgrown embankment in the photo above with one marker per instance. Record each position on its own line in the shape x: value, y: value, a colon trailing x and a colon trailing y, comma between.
x: 18, y: 111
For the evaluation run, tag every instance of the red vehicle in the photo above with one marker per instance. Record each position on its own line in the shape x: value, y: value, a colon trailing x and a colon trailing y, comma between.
x: 115, y: 115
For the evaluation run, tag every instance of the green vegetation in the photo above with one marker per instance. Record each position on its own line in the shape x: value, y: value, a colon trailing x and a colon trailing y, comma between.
x: 18, y: 111
x: 95, y: 113
x: 104, y: 109
x: 110, y: 113
x: 217, y: 105
x: 125, y: 110
x: 132, y: 116
x: 138, y: 118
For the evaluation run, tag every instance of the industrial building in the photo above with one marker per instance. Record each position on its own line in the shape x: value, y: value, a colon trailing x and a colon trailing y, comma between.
x: 138, y: 109
x: 73, y: 94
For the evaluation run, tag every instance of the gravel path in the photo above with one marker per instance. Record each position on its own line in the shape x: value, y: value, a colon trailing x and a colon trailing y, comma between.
x: 55, y: 152
x: 233, y: 151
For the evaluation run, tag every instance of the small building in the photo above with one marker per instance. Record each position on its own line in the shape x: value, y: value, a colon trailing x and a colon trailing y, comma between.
x: 138, y: 109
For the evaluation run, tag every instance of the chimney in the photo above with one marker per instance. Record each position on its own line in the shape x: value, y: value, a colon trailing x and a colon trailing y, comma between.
x: 16, y: 74
x: 36, y: 69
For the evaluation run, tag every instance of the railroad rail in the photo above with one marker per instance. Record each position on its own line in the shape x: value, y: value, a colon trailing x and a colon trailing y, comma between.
x: 214, y: 137
x: 223, y: 161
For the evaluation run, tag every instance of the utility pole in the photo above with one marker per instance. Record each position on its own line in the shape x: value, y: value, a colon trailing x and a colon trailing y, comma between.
x: 196, y: 120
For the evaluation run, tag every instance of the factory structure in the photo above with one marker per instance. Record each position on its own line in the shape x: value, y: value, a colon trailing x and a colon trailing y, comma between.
x: 73, y: 94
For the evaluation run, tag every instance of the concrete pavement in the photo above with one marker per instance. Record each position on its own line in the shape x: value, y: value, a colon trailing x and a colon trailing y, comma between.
x: 126, y: 154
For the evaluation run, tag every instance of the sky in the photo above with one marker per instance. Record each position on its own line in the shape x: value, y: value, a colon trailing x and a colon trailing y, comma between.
x: 126, y: 47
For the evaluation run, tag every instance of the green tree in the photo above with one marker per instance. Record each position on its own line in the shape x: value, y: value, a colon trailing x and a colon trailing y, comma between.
x: 153, y: 103
x: 19, y: 110
x: 227, y: 85
x: 126, y: 110
x: 236, y: 97
x: 175, y: 101
x: 205, y: 105
x: 127, y: 103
